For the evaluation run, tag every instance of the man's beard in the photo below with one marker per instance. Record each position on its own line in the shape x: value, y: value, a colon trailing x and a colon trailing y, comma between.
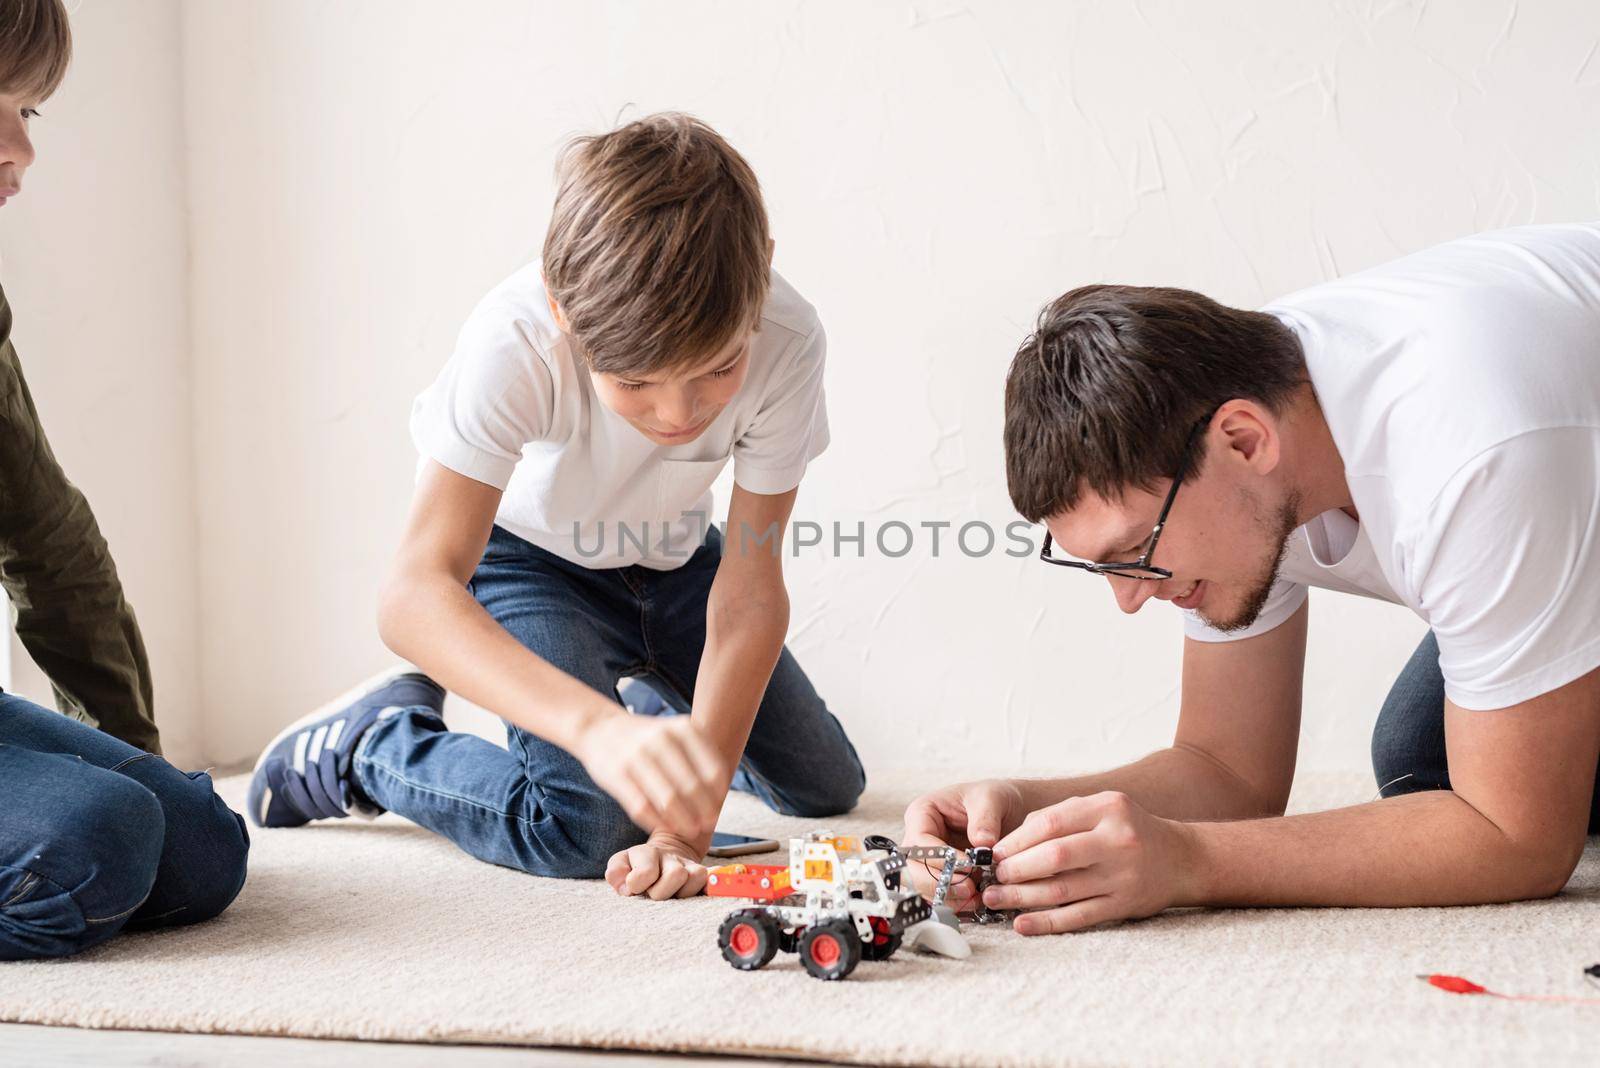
x: 1283, y: 527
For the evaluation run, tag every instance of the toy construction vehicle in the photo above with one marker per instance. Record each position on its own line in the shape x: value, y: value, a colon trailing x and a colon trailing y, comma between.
x: 836, y: 902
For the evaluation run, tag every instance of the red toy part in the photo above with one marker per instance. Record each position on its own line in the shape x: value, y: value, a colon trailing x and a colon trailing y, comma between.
x: 1453, y: 983
x: 758, y: 882
x: 1457, y: 985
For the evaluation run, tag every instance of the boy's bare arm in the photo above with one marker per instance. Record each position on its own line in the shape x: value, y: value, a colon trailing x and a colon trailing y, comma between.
x: 659, y: 772
x: 747, y: 619
x: 428, y: 616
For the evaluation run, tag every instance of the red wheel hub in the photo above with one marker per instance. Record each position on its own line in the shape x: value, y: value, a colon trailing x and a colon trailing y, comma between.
x: 825, y: 950
x: 745, y: 940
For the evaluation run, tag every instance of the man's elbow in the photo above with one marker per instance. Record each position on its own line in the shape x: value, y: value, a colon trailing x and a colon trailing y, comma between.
x: 1274, y: 806
x: 1552, y: 866
x: 1241, y: 797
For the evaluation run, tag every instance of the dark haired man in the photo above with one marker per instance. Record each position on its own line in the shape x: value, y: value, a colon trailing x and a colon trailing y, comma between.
x: 1426, y: 432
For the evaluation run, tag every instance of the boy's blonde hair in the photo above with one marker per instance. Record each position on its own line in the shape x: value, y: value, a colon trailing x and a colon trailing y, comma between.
x: 35, y: 47
x: 657, y: 250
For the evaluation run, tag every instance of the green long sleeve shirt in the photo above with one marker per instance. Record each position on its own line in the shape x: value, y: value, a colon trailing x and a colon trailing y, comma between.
x: 71, y: 614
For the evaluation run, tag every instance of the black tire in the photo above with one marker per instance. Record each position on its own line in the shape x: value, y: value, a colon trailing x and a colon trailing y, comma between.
x: 883, y: 943
x: 748, y: 939
x: 830, y: 950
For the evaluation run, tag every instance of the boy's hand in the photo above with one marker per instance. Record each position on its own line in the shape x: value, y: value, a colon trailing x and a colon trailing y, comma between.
x: 964, y: 815
x: 665, y: 866
x: 662, y: 771
x: 1087, y: 860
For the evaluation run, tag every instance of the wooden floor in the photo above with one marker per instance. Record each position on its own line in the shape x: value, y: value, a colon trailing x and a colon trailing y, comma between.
x: 70, y: 1047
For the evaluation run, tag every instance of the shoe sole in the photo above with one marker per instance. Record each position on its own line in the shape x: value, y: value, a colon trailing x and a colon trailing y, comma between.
x: 382, y: 678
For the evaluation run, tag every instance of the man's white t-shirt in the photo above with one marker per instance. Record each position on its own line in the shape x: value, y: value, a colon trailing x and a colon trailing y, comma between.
x: 1462, y: 388
x: 514, y: 408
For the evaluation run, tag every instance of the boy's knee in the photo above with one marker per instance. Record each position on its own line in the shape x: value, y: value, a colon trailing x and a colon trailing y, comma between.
x: 226, y: 843
x: 103, y: 852
x: 115, y: 829
x: 209, y: 847
x: 833, y: 796
x: 847, y: 791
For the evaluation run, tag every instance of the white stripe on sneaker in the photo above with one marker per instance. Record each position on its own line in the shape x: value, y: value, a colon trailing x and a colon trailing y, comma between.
x: 300, y: 752
x: 316, y: 743
x: 334, y: 733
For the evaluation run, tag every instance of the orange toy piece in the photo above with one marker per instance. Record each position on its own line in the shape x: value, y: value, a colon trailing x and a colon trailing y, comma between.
x: 758, y: 882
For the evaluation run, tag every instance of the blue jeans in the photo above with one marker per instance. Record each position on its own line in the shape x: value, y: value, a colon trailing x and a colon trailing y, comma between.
x: 97, y: 837
x: 1408, y: 751
x: 532, y: 806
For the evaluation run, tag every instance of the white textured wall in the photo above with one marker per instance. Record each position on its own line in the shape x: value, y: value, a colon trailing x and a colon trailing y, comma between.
x: 361, y: 172
x: 95, y: 266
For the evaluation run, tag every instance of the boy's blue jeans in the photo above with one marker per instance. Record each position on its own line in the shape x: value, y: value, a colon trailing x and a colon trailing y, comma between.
x: 97, y: 837
x: 532, y: 806
x: 1408, y: 751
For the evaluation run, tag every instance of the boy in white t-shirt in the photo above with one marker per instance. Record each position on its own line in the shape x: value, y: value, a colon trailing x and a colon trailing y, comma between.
x: 560, y: 542
x: 1426, y: 432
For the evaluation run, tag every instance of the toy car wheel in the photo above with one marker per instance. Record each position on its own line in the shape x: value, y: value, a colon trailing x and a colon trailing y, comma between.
x: 748, y: 939
x: 884, y: 942
x: 830, y: 950
x: 789, y: 941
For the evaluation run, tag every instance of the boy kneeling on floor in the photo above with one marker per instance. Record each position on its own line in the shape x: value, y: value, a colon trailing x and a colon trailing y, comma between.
x: 559, y: 542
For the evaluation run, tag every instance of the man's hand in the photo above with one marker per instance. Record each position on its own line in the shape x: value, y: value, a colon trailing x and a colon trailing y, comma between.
x: 661, y: 770
x: 665, y: 866
x: 967, y: 814
x: 1089, y: 860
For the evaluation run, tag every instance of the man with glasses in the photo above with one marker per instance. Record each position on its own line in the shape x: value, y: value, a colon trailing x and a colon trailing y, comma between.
x: 1426, y: 432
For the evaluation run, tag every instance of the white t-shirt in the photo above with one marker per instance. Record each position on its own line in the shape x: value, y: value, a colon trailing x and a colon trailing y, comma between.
x: 1462, y: 388
x: 514, y: 408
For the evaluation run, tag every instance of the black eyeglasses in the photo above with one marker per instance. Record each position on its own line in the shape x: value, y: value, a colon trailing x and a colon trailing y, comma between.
x: 1139, y: 569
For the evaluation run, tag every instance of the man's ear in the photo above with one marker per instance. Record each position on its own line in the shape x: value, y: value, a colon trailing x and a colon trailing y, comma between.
x: 1251, y: 435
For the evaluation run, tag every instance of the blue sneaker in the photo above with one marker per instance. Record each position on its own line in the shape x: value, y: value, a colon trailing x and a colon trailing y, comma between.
x: 304, y: 773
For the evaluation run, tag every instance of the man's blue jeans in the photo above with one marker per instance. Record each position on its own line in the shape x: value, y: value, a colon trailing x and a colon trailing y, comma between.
x: 532, y: 806
x: 97, y: 837
x: 1408, y: 751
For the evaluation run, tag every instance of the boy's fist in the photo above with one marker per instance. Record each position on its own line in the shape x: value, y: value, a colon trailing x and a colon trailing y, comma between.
x: 662, y: 771
x: 665, y: 866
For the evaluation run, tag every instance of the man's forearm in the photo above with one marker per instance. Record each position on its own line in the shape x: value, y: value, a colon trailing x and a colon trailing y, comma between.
x: 1421, y: 849
x: 1174, y: 783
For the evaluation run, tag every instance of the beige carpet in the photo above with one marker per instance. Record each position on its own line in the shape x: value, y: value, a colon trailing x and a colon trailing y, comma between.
x: 381, y: 930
